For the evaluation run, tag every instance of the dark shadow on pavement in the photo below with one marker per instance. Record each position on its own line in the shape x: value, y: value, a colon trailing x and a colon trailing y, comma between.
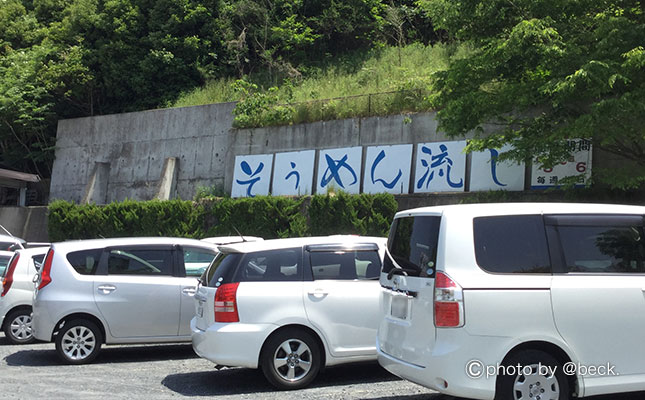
x: 108, y: 354
x: 231, y: 381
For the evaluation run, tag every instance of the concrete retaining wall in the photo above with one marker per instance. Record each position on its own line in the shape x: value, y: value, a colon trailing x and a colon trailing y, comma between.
x: 171, y: 153
x: 135, y: 147
x: 116, y: 157
x: 29, y: 223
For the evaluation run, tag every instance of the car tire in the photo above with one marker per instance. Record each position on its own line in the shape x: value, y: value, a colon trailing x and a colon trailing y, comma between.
x: 78, y: 342
x: 514, y: 384
x: 17, y: 327
x: 291, y: 359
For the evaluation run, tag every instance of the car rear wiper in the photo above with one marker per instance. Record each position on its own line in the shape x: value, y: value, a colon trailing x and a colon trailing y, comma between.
x: 399, y: 271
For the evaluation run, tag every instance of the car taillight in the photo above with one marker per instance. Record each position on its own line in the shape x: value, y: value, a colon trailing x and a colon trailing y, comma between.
x: 8, y: 276
x: 226, y: 303
x: 448, y: 302
x: 45, y: 272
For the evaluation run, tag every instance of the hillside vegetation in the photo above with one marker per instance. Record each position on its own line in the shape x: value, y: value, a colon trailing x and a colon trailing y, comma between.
x: 533, y: 72
x: 386, y: 80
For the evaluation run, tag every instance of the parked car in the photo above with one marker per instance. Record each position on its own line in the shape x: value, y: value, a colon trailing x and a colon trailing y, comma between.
x: 516, y: 301
x: 290, y: 306
x: 5, y: 257
x: 11, y: 243
x: 116, y: 291
x: 17, y: 294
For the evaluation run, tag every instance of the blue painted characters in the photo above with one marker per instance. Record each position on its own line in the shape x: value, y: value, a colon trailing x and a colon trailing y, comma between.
x: 488, y: 173
x: 440, y: 167
x: 339, y: 169
x: 253, y: 178
x: 332, y: 173
x: 387, y: 169
x: 252, y: 175
x: 293, y: 173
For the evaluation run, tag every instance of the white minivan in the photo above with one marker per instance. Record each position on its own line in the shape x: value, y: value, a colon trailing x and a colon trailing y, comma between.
x: 290, y: 306
x: 516, y: 301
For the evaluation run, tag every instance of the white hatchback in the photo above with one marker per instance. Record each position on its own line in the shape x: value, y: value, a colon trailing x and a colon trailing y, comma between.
x: 17, y: 293
x: 117, y: 291
x: 290, y: 306
x: 510, y: 301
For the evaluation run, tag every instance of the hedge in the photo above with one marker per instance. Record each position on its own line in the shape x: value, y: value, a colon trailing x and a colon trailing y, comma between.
x: 265, y: 216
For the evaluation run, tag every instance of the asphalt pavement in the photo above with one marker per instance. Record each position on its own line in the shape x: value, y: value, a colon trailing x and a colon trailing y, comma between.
x: 170, y: 371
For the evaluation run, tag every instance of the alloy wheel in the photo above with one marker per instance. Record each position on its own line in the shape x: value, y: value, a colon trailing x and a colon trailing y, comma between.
x: 292, y: 360
x: 78, y: 343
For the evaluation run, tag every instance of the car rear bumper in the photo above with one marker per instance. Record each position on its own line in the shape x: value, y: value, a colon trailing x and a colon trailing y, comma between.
x: 42, y: 325
x: 448, y: 372
x: 231, y: 344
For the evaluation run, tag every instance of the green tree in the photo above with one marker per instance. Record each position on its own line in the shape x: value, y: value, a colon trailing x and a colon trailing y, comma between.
x: 543, y: 71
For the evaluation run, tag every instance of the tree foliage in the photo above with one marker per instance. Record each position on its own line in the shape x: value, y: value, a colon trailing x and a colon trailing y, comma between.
x: 543, y: 71
x: 73, y: 58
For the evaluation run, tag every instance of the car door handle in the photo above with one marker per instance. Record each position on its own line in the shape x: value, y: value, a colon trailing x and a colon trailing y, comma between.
x: 106, y: 289
x: 318, y: 293
x: 189, y: 291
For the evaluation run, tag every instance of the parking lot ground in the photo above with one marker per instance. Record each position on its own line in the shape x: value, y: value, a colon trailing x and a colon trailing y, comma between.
x: 172, y: 371
x: 166, y: 371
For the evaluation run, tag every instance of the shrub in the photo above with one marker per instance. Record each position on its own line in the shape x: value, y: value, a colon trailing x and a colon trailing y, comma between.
x: 265, y: 216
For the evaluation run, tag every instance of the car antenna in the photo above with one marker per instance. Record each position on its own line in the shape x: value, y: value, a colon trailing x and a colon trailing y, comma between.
x: 238, y: 232
x: 9, y: 233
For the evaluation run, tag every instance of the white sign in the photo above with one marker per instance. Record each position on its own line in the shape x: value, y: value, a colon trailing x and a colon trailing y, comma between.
x: 579, y: 164
x: 486, y: 173
x: 440, y: 167
x: 293, y: 173
x: 339, y: 169
x: 252, y: 175
x: 387, y: 169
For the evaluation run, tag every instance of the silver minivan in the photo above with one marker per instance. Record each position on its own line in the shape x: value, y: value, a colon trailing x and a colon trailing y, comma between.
x: 117, y: 291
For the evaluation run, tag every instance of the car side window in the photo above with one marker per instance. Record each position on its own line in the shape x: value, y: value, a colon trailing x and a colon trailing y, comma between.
x: 345, y: 265
x: 511, y: 244
x: 139, y: 262
x: 273, y: 266
x: 38, y: 261
x: 603, y: 249
x: 196, y: 260
x: 85, y: 262
x: 4, y: 261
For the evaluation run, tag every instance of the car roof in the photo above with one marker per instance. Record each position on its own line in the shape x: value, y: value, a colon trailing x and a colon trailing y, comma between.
x: 486, y: 209
x: 220, y: 240
x: 129, y: 241
x: 32, y: 251
x: 8, y: 238
x: 276, y: 244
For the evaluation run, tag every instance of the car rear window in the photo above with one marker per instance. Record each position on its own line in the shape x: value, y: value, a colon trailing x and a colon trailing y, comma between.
x: 511, y: 244
x: 412, y: 245
x: 221, y: 270
x: 85, y: 262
